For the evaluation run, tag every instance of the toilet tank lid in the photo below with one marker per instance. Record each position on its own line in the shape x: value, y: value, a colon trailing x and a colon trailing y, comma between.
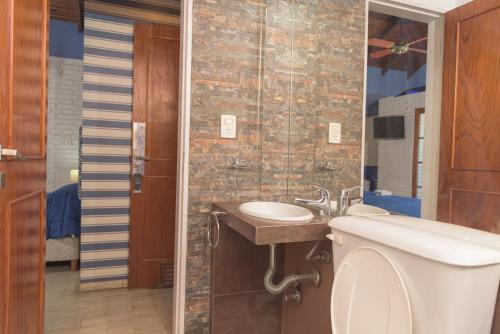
x: 440, y: 242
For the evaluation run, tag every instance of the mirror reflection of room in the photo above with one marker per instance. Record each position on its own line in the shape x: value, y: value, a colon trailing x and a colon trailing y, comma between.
x: 63, y: 144
x: 110, y: 241
x: 395, y: 114
x: 63, y: 211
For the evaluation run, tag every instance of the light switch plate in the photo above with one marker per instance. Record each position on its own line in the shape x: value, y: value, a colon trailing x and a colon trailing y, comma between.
x: 335, y: 133
x: 228, y: 126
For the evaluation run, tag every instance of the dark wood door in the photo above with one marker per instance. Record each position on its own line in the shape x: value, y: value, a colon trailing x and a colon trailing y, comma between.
x: 156, y: 82
x: 469, y: 183
x: 23, y: 70
x: 469, y: 180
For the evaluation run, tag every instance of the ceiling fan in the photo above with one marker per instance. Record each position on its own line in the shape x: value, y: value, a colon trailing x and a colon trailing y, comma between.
x: 393, y: 48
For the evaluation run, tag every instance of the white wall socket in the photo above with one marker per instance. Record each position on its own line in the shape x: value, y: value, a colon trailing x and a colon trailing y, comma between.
x: 228, y: 126
x: 335, y: 133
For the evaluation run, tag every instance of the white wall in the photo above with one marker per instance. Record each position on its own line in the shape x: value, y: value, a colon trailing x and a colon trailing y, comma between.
x: 462, y: 2
x: 64, y: 119
x: 395, y: 156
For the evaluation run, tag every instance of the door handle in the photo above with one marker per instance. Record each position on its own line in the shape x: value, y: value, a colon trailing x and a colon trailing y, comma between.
x: 139, y: 157
x: 10, y: 153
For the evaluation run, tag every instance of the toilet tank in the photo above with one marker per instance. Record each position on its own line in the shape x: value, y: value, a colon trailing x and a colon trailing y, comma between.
x: 451, y: 273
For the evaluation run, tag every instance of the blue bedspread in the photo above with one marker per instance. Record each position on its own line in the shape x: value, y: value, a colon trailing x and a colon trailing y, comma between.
x: 404, y: 205
x: 63, y: 212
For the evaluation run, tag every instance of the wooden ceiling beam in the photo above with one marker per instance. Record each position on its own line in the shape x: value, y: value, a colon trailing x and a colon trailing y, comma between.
x: 80, y: 10
x: 395, y: 29
x: 68, y: 10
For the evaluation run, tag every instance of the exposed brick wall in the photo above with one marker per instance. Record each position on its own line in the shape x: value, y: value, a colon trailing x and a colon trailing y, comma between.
x: 64, y: 119
x: 395, y: 157
x: 282, y: 127
x: 341, y: 25
x: 225, y: 71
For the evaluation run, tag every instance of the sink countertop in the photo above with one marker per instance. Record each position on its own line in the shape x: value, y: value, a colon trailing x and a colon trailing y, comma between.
x: 264, y: 232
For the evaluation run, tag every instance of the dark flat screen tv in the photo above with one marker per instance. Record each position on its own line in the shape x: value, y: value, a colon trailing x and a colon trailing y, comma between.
x: 389, y: 127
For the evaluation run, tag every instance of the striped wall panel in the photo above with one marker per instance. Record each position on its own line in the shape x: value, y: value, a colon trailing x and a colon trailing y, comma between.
x: 107, y: 135
x: 106, y: 150
x: 159, y: 11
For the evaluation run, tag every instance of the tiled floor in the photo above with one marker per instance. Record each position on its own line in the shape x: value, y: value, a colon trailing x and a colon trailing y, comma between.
x: 123, y: 311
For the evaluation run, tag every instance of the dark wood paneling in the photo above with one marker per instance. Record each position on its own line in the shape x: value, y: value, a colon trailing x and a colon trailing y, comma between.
x: 469, y: 179
x: 476, y: 136
x: 462, y: 210
x: 67, y: 10
x: 23, y: 76
x: 156, y: 82
x: 26, y: 248
x: 27, y: 121
x: 466, y: 136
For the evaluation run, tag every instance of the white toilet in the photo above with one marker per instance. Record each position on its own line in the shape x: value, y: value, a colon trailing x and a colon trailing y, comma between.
x: 403, y: 275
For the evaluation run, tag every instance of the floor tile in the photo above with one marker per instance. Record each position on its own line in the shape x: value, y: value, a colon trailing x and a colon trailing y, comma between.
x: 123, y: 311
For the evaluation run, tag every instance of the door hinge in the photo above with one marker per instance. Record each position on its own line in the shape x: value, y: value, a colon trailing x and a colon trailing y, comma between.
x: 2, y: 180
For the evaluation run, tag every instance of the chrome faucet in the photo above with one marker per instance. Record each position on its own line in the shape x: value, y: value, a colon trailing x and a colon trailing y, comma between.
x: 238, y: 164
x: 323, y: 204
x: 344, y: 200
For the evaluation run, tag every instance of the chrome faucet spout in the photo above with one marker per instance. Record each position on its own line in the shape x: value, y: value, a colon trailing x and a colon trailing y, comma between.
x: 344, y: 198
x: 323, y: 204
x: 310, y: 202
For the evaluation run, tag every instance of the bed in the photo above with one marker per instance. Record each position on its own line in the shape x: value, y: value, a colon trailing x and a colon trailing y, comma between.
x: 63, y: 225
x: 395, y: 204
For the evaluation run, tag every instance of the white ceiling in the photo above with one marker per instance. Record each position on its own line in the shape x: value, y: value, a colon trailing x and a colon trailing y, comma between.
x: 462, y: 2
x: 440, y: 6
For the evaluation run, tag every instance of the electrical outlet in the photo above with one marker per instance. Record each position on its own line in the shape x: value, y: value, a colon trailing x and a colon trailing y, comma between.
x: 335, y: 133
x: 228, y: 126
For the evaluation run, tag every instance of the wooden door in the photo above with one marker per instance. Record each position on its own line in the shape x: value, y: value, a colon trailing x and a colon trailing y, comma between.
x: 23, y: 75
x: 469, y: 184
x: 469, y: 180
x: 156, y: 82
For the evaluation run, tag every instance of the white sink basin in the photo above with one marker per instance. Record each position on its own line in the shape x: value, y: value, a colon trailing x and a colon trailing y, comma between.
x: 362, y: 210
x: 276, y: 211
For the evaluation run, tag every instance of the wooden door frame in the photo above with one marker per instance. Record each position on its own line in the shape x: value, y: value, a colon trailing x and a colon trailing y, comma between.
x: 434, y: 73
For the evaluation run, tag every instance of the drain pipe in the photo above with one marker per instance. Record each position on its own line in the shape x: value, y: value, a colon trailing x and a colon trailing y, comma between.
x: 289, y: 281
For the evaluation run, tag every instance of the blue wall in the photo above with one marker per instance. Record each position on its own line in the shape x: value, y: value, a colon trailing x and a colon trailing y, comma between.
x: 392, y: 83
x: 65, y: 40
